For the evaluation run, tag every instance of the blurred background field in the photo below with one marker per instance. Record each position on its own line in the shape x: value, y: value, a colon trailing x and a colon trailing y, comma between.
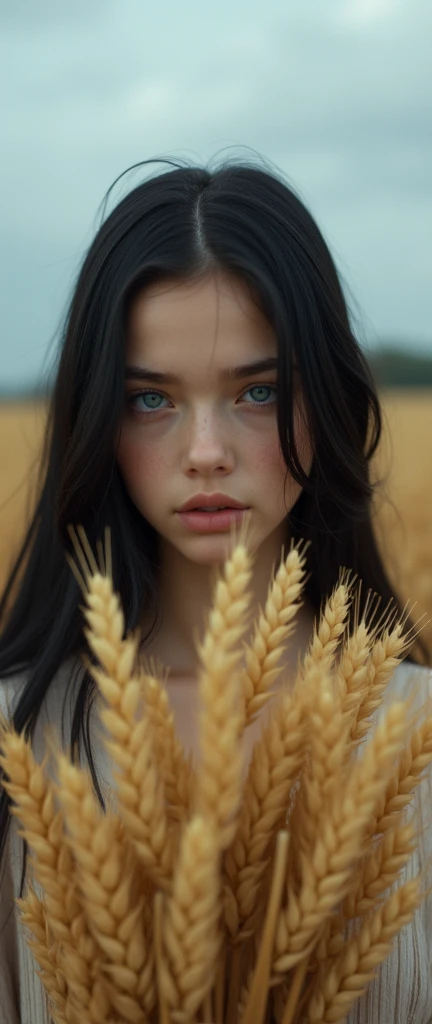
x: 404, y: 459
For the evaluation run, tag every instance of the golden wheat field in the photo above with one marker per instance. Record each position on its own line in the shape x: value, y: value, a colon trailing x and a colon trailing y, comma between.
x: 404, y: 458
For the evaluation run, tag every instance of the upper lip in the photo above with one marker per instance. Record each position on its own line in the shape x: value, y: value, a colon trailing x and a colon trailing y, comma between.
x: 203, y: 500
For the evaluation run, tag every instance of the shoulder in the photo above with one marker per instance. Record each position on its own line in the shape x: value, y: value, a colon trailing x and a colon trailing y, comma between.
x: 66, y: 713
x: 12, y: 687
x: 55, y: 698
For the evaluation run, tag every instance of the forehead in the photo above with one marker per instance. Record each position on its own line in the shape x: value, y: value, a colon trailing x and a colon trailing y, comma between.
x: 169, y: 318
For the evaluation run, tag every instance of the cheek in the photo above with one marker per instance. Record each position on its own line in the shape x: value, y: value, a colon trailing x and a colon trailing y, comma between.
x: 141, y: 466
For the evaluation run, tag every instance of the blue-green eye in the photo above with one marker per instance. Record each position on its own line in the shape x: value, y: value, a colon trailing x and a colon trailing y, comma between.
x: 261, y: 387
x: 149, y: 410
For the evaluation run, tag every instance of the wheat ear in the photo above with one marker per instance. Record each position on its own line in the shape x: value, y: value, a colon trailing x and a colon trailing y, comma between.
x: 140, y: 788
x: 412, y: 762
x: 275, y: 625
x: 276, y: 761
x: 385, y: 657
x: 352, y: 671
x: 105, y: 875
x: 326, y: 874
x: 381, y: 867
x: 338, y: 988
x: 42, y: 827
x: 219, y: 774
x: 386, y: 861
x: 191, y: 933
x: 327, y: 731
x: 175, y: 767
x: 327, y: 635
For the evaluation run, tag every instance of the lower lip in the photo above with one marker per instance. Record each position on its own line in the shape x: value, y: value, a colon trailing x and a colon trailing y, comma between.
x: 210, y: 522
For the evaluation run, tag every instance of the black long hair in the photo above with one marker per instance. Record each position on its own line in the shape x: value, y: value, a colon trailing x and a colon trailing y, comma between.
x: 184, y: 223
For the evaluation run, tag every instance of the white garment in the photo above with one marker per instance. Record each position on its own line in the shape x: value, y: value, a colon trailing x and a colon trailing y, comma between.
x: 401, y: 993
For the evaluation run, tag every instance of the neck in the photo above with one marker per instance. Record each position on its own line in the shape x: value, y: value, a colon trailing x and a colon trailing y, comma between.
x: 186, y: 590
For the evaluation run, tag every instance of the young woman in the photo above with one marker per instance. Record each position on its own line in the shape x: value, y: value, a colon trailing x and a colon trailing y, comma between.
x: 208, y: 359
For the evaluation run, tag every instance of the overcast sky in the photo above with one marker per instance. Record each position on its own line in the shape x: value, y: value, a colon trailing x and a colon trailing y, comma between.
x: 336, y: 93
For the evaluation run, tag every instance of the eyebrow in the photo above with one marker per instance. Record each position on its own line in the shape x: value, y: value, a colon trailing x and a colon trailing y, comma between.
x: 231, y: 373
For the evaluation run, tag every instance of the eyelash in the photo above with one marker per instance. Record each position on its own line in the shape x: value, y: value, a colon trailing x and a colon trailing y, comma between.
x: 151, y: 391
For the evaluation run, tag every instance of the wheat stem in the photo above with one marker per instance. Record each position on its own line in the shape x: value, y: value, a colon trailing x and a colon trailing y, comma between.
x: 258, y: 994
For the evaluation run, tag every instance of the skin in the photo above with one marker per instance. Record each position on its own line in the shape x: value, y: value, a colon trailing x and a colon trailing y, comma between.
x: 205, y: 435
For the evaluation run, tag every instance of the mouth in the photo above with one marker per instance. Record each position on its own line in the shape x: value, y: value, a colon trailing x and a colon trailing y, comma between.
x: 214, y: 511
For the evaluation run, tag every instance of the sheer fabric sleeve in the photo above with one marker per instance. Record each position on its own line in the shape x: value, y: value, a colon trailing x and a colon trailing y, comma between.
x: 9, y: 955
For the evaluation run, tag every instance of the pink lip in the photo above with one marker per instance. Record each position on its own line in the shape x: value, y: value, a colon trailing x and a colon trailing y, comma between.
x: 211, y: 522
x: 205, y: 500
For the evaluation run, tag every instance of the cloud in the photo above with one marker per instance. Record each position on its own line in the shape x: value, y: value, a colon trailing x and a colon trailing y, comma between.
x: 336, y: 95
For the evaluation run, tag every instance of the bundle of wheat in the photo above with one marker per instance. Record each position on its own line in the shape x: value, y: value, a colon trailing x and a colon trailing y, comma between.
x: 201, y: 895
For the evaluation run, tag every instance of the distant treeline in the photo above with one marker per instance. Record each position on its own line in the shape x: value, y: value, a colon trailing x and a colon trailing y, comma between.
x: 399, y: 368
x: 391, y: 368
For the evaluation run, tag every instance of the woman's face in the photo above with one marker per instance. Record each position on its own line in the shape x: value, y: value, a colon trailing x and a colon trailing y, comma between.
x: 204, y: 432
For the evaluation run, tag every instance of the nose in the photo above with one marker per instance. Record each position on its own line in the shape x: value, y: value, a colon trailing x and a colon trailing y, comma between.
x: 208, y: 443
